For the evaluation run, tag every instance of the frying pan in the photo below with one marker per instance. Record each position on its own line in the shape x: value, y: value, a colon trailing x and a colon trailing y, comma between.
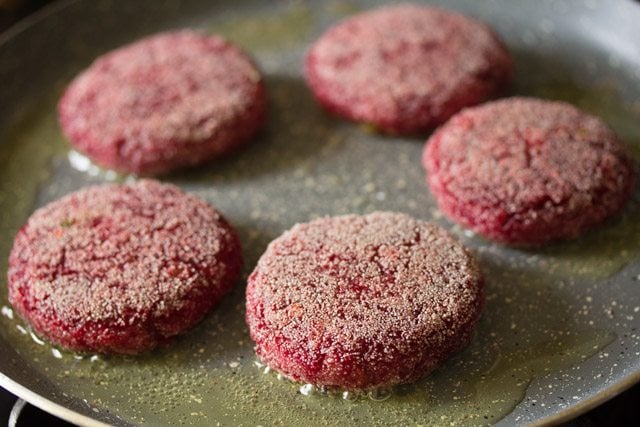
x: 560, y: 333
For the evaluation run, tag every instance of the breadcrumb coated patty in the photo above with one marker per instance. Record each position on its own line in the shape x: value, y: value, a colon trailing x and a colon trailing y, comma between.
x: 527, y: 171
x: 165, y: 102
x: 362, y: 302
x: 121, y: 268
x: 406, y: 68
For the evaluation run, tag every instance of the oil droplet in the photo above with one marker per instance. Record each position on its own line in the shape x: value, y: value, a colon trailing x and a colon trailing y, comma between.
x: 78, y: 161
x: 82, y: 163
x: 379, y: 395
x: 350, y: 396
x: 35, y: 338
x: 307, y: 389
x: 7, y: 312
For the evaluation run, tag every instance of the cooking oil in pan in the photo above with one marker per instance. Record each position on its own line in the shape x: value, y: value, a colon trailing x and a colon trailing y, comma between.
x: 210, y: 375
x: 535, y: 325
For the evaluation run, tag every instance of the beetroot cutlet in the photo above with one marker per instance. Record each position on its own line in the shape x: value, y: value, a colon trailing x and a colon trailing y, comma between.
x: 121, y: 268
x: 406, y: 68
x: 362, y: 302
x: 165, y: 102
x: 525, y: 171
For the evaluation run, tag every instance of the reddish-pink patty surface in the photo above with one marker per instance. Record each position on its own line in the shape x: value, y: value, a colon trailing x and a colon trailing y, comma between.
x: 359, y: 302
x: 121, y: 268
x: 406, y: 68
x: 526, y: 171
x: 167, y: 101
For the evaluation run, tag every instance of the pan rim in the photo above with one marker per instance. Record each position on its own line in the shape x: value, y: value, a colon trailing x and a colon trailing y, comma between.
x: 29, y: 21
x: 70, y: 415
x: 47, y: 405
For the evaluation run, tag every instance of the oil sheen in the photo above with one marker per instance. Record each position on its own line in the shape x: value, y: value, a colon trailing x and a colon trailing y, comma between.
x: 539, y: 321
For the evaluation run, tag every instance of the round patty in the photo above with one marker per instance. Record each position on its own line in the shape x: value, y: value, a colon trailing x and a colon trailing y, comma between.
x: 360, y: 302
x: 121, y: 268
x: 406, y: 68
x: 525, y: 171
x: 165, y: 102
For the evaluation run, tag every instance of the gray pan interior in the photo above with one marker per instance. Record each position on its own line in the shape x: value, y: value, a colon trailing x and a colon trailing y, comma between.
x: 560, y: 333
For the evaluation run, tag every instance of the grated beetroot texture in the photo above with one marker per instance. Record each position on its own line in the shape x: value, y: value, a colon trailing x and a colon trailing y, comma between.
x: 168, y: 101
x: 361, y: 302
x: 526, y: 171
x: 121, y: 268
x: 406, y: 68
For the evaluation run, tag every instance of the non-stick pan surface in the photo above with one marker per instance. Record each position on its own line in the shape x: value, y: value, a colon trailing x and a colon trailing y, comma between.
x: 561, y: 329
